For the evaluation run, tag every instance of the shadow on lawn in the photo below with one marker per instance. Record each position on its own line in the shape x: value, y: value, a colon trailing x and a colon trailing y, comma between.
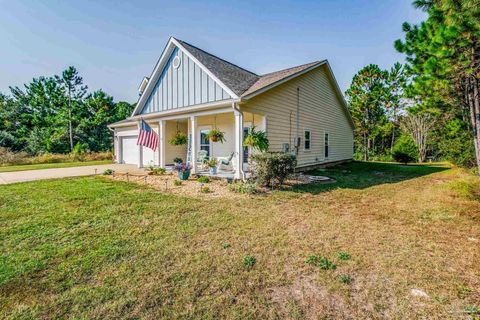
x: 360, y: 175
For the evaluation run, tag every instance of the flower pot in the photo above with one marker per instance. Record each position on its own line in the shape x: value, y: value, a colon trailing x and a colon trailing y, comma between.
x: 183, y: 175
x: 213, y: 170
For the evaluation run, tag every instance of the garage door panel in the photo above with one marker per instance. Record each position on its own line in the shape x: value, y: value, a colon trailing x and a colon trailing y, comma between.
x: 129, y: 150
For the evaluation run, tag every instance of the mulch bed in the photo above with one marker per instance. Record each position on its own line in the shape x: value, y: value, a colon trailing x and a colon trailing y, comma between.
x: 216, y: 188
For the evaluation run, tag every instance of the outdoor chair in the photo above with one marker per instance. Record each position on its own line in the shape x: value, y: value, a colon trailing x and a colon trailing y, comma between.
x: 225, y: 163
x: 202, y: 156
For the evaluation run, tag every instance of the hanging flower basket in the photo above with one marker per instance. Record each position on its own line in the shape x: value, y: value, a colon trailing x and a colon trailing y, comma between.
x: 179, y: 139
x: 256, y: 139
x: 216, y: 135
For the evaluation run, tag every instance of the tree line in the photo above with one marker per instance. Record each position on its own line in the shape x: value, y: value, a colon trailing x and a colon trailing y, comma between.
x: 429, y: 107
x: 57, y: 114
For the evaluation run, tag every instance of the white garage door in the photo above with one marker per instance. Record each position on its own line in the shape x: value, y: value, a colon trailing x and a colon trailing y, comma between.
x: 129, y: 150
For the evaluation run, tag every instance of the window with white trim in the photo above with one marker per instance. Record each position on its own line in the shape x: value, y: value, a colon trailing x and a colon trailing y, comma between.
x: 307, y: 135
x: 326, y: 143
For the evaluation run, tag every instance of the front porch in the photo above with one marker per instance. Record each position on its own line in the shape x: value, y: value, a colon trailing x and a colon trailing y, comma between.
x: 231, y: 155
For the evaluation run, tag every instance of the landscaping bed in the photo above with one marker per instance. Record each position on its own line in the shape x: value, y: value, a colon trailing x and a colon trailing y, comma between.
x: 214, y: 187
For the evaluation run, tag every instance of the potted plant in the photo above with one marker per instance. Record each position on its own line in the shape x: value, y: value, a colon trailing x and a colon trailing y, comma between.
x: 212, y: 165
x: 177, y: 160
x: 216, y: 135
x: 256, y: 139
x: 179, y: 139
x: 183, y: 170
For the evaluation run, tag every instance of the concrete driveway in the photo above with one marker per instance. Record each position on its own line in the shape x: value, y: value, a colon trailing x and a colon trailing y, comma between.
x: 31, y: 175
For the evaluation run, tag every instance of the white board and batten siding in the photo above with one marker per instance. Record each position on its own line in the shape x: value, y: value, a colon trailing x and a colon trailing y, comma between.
x: 182, y: 86
x: 321, y: 111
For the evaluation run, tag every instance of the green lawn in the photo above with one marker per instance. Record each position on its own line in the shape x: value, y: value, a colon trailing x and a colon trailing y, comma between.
x: 96, y: 248
x: 52, y: 165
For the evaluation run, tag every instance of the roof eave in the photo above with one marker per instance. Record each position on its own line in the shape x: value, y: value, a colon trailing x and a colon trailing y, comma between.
x: 119, y: 125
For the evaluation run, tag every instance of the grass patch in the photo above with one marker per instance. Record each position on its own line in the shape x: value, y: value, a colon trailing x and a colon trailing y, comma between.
x: 468, y: 187
x: 342, y: 255
x: 91, y: 247
x: 249, y: 261
x: 345, y: 278
x: 320, y: 262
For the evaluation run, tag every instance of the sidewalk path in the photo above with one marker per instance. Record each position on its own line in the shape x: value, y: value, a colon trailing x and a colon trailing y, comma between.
x: 31, y: 175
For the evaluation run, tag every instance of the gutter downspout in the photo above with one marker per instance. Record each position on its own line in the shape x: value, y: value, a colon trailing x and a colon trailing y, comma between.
x: 236, y: 109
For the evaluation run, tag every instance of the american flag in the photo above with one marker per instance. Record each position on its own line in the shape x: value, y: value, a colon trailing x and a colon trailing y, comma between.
x: 147, y: 137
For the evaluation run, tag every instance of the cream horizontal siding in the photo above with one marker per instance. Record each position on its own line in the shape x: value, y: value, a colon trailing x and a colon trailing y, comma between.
x: 321, y: 111
x: 171, y: 151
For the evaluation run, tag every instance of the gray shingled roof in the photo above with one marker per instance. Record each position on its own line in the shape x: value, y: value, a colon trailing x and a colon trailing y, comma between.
x: 234, y: 77
x: 271, y: 78
x: 242, y: 82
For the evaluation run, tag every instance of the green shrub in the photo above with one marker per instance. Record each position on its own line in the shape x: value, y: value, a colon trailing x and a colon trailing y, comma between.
x: 405, y: 150
x: 203, y: 179
x: 269, y: 168
x: 249, y: 261
x: 321, y: 262
x: 177, y: 182
x: 108, y: 172
x: 243, y: 187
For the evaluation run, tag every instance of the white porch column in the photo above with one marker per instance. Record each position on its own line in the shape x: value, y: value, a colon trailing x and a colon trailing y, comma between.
x: 161, y: 143
x: 238, y: 143
x: 193, y: 143
x: 264, y: 124
x: 140, y: 148
x: 116, y: 149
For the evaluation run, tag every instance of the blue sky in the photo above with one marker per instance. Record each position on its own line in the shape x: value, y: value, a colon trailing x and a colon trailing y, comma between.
x: 115, y: 43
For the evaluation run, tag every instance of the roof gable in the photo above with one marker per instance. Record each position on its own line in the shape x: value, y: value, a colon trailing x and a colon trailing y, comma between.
x: 197, y: 83
x: 182, y: 83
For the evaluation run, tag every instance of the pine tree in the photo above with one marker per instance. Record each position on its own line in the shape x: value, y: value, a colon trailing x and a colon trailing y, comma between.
x: 443, y: 55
